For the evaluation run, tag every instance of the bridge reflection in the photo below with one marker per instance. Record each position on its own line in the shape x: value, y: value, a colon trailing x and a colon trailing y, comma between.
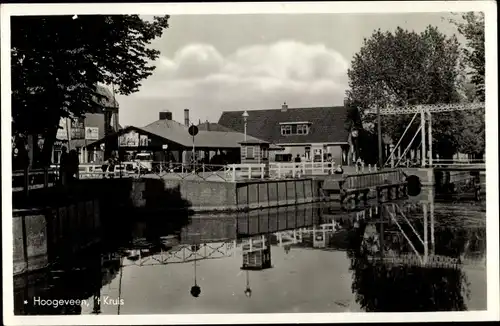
x: 396, y: 233
x: 416, y: 250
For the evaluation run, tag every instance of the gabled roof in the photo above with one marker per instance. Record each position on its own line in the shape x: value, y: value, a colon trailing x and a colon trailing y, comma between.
x: 327, y: 124
x: 171, y: 130
x: 212, y: 126
x: 119, y: 133
x: 178, y: 133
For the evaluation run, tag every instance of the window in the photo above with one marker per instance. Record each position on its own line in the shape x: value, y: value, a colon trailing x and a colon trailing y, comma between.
x: 302, y: 129
x: 286, y: 130
x: 294, y: 128
x: 265, y: 153
x: 250, y: 153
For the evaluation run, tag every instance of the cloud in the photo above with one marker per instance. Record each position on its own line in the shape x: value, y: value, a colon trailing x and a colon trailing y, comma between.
x: 198, y: 76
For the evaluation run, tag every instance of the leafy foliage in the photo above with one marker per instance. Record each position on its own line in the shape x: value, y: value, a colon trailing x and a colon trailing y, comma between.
x: 472, y: 27
x: 403, y: 68
x: 472, y: 137
x: 57, y: 63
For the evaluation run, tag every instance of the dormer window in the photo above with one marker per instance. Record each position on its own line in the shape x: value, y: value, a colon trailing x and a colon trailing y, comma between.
x: 286, y: 129
x: 302, y: 129
x: 294, y: 128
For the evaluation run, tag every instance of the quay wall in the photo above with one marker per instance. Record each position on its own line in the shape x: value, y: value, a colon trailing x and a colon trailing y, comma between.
x: 41, y: 234
x: 212, y: 196
x: 205, y: 228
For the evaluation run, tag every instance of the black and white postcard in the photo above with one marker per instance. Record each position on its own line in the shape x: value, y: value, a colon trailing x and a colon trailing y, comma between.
x: 249, y: 162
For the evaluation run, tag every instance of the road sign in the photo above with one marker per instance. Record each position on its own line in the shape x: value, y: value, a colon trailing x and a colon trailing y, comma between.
x: 165, y: 146
x: 193, y: 130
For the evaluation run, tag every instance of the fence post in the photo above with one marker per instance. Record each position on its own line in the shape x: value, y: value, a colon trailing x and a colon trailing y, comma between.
x: 233, y: 172
x: 278, y: 165
x: 357, y: 168
x: 249, y: 172
x: 26, y: 181
x: 293, y: 170
x: 45, y: 177
x: 203, y: 167
x: 362, y: 167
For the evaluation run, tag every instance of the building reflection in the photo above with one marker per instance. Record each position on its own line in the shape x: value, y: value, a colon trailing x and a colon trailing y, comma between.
x: 408, y: 255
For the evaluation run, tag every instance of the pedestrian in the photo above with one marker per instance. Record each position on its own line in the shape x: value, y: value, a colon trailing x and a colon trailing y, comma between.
x: 111, y: 166
x: 63, y: 165
x: 72, y: 165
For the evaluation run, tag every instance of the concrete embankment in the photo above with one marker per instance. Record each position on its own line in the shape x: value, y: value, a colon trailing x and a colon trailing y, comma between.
x: 62, y: 221
x: 213, y: 196
x: 42, y: 234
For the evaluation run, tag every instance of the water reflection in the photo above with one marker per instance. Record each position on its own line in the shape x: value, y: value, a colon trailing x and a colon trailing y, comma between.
x: 419, y: 254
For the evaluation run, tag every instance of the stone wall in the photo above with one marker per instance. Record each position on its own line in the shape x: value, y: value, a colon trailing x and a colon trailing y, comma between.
x: 204, y: 196
x: 207, y: 228
x: 39, y: 235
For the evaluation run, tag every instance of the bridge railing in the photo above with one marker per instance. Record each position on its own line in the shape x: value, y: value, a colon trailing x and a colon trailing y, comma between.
x: 294, y: 169
x: 458, y: 162
x: 33, y: 179
x: 192, y: 171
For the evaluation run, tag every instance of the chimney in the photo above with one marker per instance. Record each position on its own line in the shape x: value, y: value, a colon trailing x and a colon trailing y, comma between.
x: 186, y: 117
x: 165, y: 115
x: 284, y: 107
x: 208, y: 125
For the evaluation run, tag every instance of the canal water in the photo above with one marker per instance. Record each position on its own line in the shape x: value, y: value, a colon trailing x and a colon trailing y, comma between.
x: 418, y: 254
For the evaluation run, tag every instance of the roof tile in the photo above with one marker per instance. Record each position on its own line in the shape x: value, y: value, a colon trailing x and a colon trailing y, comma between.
x: 327, y: 124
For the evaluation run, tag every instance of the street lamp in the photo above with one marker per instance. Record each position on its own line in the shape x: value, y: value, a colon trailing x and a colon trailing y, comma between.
x: 354, y: 137
x: 248, y: 291
x: 195, y: 289
x: 245, y: 118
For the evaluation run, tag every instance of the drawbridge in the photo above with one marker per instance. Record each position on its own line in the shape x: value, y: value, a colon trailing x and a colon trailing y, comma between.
x: 425, y: 112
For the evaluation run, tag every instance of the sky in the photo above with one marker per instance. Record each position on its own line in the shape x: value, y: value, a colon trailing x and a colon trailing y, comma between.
x: 214, y: 63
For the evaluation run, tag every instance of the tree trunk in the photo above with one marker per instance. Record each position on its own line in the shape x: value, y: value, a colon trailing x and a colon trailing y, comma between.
x: 48, y: 145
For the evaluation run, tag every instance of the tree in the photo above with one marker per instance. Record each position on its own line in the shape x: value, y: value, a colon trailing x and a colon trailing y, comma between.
x: 472, y: 138
x: 472, y: 27
x: 403, y: 68
x: 382, y: 287
x: 59, y: 61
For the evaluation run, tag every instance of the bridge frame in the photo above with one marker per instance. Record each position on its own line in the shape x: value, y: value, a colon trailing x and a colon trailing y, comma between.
x: 425, y: 112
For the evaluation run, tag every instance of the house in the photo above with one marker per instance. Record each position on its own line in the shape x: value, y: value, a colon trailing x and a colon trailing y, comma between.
x: 169, y: 140
x: 253, y: 150
x: 315, y: 132
x: 89, y: 128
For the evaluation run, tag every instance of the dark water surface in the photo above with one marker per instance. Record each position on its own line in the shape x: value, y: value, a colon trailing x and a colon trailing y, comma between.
x: 309, y: 258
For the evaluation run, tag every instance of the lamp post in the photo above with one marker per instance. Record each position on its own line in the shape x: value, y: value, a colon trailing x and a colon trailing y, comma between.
x: 195, y: 289
x: 248, y: 291
x: 245, y: 118
x: 379, y: 137
x: 354, y: 137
